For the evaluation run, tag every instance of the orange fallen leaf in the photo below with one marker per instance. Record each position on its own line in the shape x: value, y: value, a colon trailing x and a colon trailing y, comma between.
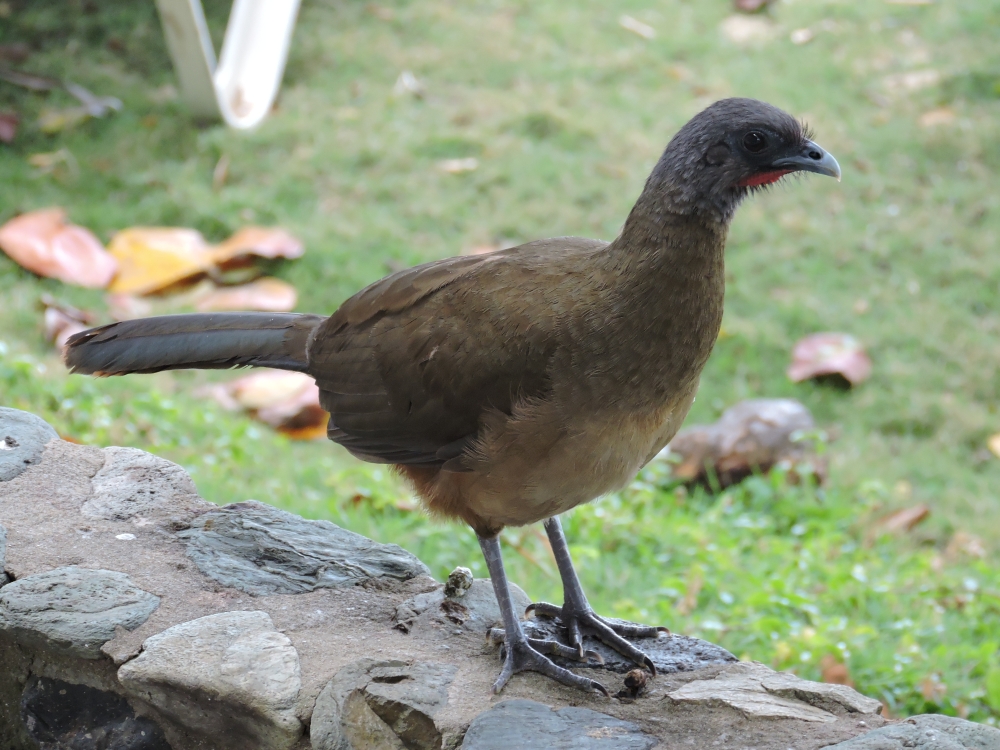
x: 44, y: 243
x: 259, y: 242
x: 830, y: 354
x: 151, y: 259
x: 288, y: 401
x: 269, y: 295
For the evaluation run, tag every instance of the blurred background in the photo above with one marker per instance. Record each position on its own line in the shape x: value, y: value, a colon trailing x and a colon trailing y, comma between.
x: 410, y: 131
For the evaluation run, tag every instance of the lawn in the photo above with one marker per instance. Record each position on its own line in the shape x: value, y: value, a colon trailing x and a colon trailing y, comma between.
x: 565, y: 112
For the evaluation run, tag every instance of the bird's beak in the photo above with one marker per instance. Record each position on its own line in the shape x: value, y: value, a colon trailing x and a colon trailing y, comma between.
x: 810, y: 158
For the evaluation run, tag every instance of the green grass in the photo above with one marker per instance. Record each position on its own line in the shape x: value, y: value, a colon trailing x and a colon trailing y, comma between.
x: 566, y: 112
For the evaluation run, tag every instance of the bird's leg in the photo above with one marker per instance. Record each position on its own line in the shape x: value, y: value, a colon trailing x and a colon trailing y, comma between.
x: 520, y: 654
x: 577, y: 614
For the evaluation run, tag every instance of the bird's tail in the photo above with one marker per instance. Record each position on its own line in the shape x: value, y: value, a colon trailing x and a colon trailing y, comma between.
x: 197, y: 341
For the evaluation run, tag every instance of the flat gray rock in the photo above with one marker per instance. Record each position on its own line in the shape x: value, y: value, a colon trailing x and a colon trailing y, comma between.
x: 671, y: 653
x: 3, y: 555
x: 927, y: 732
x: 382, y: 704
x: 230, y: 677
x: 473, y: 610
x: 528, y: 725
x: 74, y: 610
x: 262, y: 550
x: 23, y: 438
x: 135, y: 484
x: 759, y: 692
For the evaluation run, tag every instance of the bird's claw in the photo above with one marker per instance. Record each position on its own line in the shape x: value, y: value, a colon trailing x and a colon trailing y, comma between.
x: 612, y: 633
x: 521, y: 656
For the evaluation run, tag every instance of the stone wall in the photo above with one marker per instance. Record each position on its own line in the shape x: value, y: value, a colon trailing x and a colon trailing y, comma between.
x: 134, y: 615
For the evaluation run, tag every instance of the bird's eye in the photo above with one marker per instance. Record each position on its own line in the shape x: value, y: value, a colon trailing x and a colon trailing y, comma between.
x: 754, y: 142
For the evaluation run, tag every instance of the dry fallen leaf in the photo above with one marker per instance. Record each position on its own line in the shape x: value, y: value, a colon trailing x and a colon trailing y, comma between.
x: 457, y: 166
x: 151, y: 259
x: 746, y: 29
x: 835, y: 672
x: 933, y: 689
x: 903, y: 520
x: 830, y: 354
x: 257, y: 242
x: 52, y: 121
x: 637, y: 27
x: 44, y: 243
x: 267, y: 294
x: 288, y: 401
x: 936, y: 117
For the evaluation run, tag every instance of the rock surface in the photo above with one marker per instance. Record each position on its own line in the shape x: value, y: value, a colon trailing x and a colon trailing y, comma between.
x: 230, y: 676
x: 389, y: 704
x: 73, y: 610
x: 262, y: 550
x: 529, y: 725
x: 756, y: 434
x: 212, y: 628
x: 671, y: 653
x: 927, y: 732
x: 474, y: 610
x: 758, y: 692
x: 134, y: 484
x: 60, y: 715
x: 23, y: 437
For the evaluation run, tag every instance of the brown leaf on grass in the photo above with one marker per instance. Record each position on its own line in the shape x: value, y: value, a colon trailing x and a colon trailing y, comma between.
x: 8, y: 126
x: 834, y: 671
x: 269, y: 295
x: 257, y: 242
x: 823, y: 354
x: 45, y: 243
x: 903, y: 520
x: 746, y: 30
x: 287, y: 401
x: 753, y: 435
x: 150, y: 259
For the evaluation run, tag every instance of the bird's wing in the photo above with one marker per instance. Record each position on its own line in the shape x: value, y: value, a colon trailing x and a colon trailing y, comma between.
x: 409, y: 366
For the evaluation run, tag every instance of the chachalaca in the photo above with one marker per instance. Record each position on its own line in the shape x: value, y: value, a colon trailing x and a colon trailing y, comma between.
x: 513, y: 386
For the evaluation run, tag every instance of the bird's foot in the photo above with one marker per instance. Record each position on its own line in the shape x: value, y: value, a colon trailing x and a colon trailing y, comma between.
x: 525, y: 654
x: 584, y: 621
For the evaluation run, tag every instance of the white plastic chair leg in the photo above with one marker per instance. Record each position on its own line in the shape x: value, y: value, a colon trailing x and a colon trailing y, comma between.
x: 241, y: 87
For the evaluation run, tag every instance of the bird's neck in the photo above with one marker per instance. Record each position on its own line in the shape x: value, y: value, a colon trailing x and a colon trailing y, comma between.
x: 673, y: 283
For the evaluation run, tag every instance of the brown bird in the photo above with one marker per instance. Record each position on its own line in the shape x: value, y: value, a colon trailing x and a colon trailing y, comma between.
x: 513, y: 386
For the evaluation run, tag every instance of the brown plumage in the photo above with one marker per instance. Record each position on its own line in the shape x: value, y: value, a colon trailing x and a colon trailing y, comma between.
x: 513, y: 386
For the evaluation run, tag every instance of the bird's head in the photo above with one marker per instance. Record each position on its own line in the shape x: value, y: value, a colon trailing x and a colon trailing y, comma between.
x: 731, y: 148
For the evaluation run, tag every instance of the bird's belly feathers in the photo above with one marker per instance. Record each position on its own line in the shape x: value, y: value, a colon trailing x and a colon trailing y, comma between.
x: 537, y: 465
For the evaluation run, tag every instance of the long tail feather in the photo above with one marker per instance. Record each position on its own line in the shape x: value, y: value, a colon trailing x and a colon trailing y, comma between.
x: 197, y: 341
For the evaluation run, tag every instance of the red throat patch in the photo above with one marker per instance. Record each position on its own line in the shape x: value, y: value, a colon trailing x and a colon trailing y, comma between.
x: 764, y: 178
